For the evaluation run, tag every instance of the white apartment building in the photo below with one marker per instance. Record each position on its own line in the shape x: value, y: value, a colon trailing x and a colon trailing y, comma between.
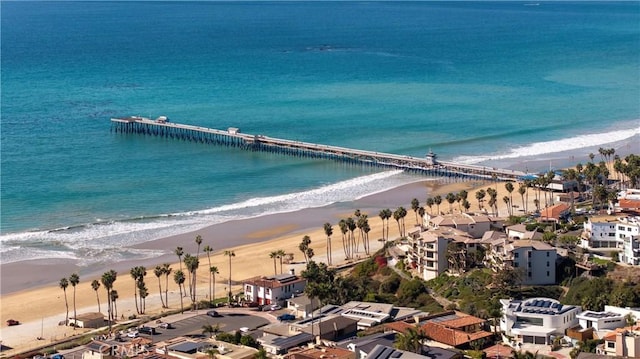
x: 628, y: 232
x: 535, y: 260
x: 429, y: 255
x: 599, y: 233
x: 536, y: 320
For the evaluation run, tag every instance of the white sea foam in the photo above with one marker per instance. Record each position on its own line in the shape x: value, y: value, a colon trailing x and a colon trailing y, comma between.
x: 555, y: 146
x: 104, y: 241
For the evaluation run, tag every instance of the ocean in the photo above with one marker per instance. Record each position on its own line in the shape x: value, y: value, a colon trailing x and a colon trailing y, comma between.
x: 499, y: 83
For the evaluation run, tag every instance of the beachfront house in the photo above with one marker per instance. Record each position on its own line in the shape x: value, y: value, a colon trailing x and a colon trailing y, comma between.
x: 628, y: 232
x: 274, y: 289
x: 536, y: 320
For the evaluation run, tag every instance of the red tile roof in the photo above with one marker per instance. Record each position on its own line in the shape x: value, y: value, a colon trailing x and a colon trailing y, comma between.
x: 498, y: 351
x: 629, y: 203
x: 462, y: 322
x: 554, y: 211
x: 452, y: 337
x: 400, y: 327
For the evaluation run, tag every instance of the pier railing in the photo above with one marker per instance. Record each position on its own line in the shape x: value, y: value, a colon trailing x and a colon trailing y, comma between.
x: 234, y: 138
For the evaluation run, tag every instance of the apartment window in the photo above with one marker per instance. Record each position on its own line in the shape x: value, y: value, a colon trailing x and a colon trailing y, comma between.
x: 529, y: 274
x: 547, y: 254
x: 529, y: 264
x: 516, y: 255
x: 267, y: 291
x: 516, y: 264
x: 248, y: 289
x: 547, y: 263
x: 612, y: 234
x: 611, y: 345
x: 529, y: 254
x: 548, y: 273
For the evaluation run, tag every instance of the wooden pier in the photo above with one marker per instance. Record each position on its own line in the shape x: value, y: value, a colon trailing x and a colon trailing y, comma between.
x: 234, y: 138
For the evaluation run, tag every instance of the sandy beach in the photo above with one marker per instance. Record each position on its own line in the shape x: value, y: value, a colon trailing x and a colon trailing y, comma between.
x: 35, y: 299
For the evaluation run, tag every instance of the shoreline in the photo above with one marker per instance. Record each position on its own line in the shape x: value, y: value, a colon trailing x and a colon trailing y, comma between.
x: 219, y: 236
x: 42, y: 303
x: 252, y: 240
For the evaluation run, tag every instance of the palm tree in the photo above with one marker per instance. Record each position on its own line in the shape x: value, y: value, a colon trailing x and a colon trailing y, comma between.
x: 450, y: 199
x: 396, y: 216
x: 213, y: 270
x: 507, y: 203
x: 509, y: 187
x: 144, y: 292
x: 210, y: 329
x: 328, y: 231
x: 158, y: 271
x: 107, y: 279
x: 187, y: 262
x: 96, y: 285
x: 192, y: 266
x: 229, y: 254
x: 198, y: 242
x: 343, y: 229
x: 64, y: 283
x: 178, y: 277
x: 415, y: 204
x: 430, y: 204
x: 114, y: 297
x: 522, y: 190
x: 304, y: 246
x: 366, y: 229
x: 274, y: 255
x: 466, y: 205
x: 179, y: 252
x: 207, y: 249
x: 437, y: 200
x: 281, y: 255
x: 351, y: 226
x: 137, y: 273
x: 421, y: 213
x: 166, y: 270
x: 411, y: 340
x: 480, y: 194
x: 362, y: 221
x: 74, y: 279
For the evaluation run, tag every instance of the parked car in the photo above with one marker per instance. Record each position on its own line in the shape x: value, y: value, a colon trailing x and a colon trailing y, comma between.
x: 133, y: 334
x: 11, y: 322
x: 285, y: 317
x: 275, y: 307
x: 147, y: 330
x: 166, y: 326
x: 57, y: 356
x: 213, y: 313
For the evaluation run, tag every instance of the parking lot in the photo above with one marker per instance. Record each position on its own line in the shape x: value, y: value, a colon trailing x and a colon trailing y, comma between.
x: 227, y: 322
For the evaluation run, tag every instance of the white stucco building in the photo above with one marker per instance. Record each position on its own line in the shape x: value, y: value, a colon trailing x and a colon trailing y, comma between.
x: 628, y: 232
x: 537, y: 320
x: 274, y: 289
x: 601, y: 320
x: 535, y: 260
x: 600, y: 233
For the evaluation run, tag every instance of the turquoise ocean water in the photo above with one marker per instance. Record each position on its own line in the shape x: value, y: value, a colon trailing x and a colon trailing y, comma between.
x: 479, y: 82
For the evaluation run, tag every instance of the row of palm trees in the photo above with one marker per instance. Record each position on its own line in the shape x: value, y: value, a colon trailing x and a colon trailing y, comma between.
x: 141, y: 292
